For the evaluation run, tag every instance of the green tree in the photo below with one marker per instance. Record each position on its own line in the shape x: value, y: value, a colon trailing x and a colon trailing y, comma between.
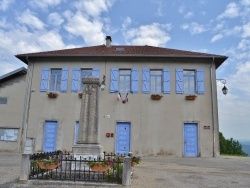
x: 230, y: 146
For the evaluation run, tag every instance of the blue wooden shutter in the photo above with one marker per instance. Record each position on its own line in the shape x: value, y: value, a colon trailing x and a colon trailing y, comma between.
x: 113, y: 80
x: 134, y: 80
x: 200, y: 81
x: 64, y: 80
x: 44, y: 80
x: 166, y: 81
x: 145, y: 80
x: 96, y: 72
x: 179, y: 80
x: 75, y: 79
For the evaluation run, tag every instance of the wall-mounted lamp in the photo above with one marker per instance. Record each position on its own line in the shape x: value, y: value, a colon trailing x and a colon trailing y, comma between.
x: 102, y: 84
x: 224, y: 89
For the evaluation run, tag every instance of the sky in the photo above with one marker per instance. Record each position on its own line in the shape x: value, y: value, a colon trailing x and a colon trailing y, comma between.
x: 210, y: 26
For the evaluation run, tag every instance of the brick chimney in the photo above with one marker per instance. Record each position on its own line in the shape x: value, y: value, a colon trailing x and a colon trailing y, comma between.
x: 108, y: 41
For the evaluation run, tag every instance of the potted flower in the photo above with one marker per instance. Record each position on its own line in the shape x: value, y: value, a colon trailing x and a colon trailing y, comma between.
x: 190, y: 97
x: 80, y: 95
x: 135, y: 160
x: 100, y: 166
x: 52, y: 94
x: 48, y: 163
x: 156, y: 97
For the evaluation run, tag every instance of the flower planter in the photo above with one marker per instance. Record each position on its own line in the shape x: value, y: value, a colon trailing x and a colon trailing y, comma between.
x: 191, y: 97
x: 80, y: 95
x: 133, y: 164
x: 156, y: 97
x: 99, y: 168
x: 47, y: 166
x: 52, y: 95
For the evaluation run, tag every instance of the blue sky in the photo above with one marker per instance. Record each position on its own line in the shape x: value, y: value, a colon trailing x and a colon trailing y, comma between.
x: 210, y: 26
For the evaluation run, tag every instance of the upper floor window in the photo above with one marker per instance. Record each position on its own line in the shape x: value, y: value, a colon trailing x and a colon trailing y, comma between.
x: 54, y: 80
x: 155, y: 81
x: 3, y: 100
x: 124, y: 80
x: 77, y: 76
x: 190, y: 81
x: 84, y: 74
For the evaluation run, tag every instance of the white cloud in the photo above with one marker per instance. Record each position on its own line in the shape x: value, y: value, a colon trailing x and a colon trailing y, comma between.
x: 232, y: 11
x: 246, y: 30
x: 245, y: 2
x: 126, y: 23
x: 159, y: 7
x: 44, y: 4
x: 244, y: 45
x: 5, y: 4
x: 189, y: 15
x: 182, y: 9
x: 194, y: 28
x: 52, y: 40
x: 90, y: 31
x: 55, y: 19
x: 154, y: 34
x: 216, y: 37
x: 94, y: 7
x: 29, y: 18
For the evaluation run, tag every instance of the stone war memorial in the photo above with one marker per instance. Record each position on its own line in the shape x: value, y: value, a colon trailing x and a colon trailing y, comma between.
x: 88, y: 141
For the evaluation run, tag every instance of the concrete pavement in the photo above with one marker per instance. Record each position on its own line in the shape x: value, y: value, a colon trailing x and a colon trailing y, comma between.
x: 171, y: 172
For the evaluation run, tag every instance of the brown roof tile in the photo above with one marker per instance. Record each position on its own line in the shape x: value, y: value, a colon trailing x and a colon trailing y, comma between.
x: 122, y: 51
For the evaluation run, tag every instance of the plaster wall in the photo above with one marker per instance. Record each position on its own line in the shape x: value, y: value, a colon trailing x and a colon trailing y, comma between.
x: 156, y: 126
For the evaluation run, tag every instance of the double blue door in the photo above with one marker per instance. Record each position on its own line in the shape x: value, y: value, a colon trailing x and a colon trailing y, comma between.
x: 50, y: 134
x: 122, y: 138
x: 190, y: 140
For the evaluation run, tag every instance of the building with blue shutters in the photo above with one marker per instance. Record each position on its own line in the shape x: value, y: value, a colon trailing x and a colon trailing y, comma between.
x: 156, y: 101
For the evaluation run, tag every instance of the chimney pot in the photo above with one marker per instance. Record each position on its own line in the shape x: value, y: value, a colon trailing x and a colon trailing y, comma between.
x: 108, y: 41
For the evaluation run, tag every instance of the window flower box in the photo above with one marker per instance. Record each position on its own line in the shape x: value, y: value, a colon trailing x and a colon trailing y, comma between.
x: 156, y: 97
x: 190, y: 97
x: 80, y: 95
x: 52, y: 95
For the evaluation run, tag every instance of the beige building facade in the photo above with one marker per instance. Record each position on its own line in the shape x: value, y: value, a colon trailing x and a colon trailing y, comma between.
x: 12, y: 96
x: 129, y: 118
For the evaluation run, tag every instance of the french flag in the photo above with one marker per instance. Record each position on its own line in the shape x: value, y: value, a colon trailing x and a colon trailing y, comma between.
x: 118, y: 97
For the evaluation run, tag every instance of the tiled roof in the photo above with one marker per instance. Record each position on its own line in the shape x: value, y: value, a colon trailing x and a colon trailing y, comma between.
x: 121, y: 51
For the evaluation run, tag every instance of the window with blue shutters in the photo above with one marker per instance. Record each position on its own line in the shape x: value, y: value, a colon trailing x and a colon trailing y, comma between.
x: 155, y: 81
x: 78, y: 74
x: 190, y: 81
x: 55, y: 80
x: 124, y: 80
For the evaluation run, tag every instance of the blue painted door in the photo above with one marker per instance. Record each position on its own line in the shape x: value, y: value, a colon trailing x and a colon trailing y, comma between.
x: 190, y: 140
x: 49, y: 143
x: 122, y: 138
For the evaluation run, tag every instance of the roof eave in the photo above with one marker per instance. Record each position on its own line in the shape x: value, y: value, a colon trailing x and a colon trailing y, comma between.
x: 217, y: 59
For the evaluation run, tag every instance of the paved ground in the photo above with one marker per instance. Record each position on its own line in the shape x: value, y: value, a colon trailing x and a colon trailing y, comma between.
x: 157, y: 172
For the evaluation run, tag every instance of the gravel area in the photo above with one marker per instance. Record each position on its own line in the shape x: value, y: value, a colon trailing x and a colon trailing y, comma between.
x: 171, y: 172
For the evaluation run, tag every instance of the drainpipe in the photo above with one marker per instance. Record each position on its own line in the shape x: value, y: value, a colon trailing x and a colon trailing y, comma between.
x: 26, y: 104
x: 212, y: 99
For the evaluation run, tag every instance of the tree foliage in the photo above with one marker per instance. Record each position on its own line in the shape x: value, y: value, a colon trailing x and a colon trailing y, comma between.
x: 230, y: 146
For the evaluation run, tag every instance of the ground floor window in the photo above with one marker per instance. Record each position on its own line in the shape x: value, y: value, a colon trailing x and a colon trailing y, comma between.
x: 7, y: 134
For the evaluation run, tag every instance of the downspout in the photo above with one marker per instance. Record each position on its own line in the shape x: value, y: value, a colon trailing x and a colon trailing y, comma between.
x: 212, y: 99
x: 26, y: 104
